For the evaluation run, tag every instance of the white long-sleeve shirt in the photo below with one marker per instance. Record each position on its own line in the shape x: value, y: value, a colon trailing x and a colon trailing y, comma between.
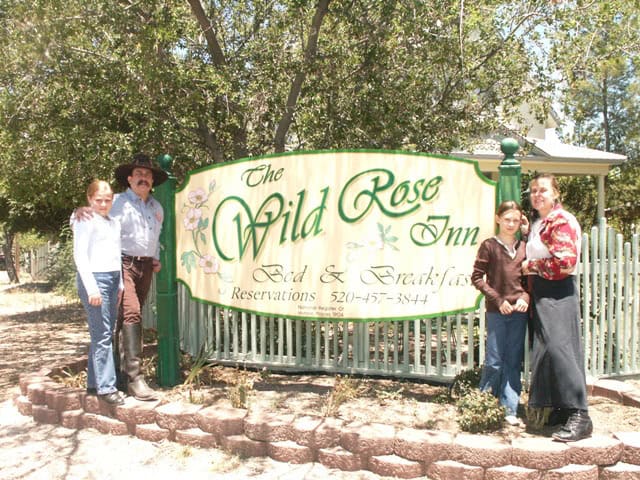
x: 96, y: 248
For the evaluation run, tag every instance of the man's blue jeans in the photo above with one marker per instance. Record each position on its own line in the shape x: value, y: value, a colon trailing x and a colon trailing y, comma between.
x: 101, y: 372
x: 505, y: 350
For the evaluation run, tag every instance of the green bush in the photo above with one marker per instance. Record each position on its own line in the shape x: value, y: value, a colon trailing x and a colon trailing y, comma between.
x: 479, y: 412
x: 61, y: 271
x: 465, y: 382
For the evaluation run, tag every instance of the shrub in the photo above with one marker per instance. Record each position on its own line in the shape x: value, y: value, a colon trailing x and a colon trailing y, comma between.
x: 61, y: 270
x: 479, y: 412
x: 465, y: 382
x: 344, y: 389
x: 239, y: 392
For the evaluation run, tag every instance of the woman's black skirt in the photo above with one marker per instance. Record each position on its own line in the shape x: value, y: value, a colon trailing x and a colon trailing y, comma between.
x: 557, y: 359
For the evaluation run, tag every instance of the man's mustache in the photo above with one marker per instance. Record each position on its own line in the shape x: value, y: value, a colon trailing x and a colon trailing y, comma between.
x: 143, y: 182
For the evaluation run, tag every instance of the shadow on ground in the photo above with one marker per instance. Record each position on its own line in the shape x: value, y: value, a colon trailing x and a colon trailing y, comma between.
x: 35, y: 339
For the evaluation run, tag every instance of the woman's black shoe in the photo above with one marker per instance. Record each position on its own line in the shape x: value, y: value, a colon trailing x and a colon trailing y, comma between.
x: 112, y: 398
x: 558, y: 416
x: 578, y: 427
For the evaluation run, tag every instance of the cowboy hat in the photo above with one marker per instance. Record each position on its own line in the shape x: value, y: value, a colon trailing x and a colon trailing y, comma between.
x: 140, y: 160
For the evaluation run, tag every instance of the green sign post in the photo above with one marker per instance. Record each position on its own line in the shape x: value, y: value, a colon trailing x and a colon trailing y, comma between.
x: 509, y: 173
x: 166, y: 286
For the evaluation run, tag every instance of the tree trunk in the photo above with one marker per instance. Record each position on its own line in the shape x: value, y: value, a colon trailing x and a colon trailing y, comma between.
x: 605, y: 114
x: 7, y: 249
x: 296, y: 85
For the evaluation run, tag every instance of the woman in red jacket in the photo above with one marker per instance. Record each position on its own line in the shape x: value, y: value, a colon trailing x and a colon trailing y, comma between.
x: 557, y: 360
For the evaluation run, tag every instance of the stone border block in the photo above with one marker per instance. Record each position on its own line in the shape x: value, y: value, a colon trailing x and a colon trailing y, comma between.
x: 244, y: 446
x: 221, y: 421
x: 450, y: 470
x: 36, y: 391
x: 341, y: 459
x: 427, y: 446
x: 89, y: 420
x: 44, y: 414
x: 611, y: 389
x: 631, y: 399
x: 72, y: 419
x: 152, y: 432
x: 303, y: 430
x: 620, y: 471
x: 511, y: 472
x: 136, y: 412
x: 481, y: 450
x: 595, y: 450
x: 27, y: 379
x: 65, y: 399
x: 373, y: 439
x: 92, y: 404
x: 573, y: 472
x: 326, y: 435
x: 290, y: 452
x: 539, y: 453
x: 631, y: 442
x: 177, y: 415
x: 24, y: 406
x: 112, y: 426
x: 268, y: 426
x: 395, y: 466
x: 196, y: 438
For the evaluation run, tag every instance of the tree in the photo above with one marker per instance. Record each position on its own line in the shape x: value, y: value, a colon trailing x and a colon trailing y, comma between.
x: 86, y: 83
x: 596, y: 51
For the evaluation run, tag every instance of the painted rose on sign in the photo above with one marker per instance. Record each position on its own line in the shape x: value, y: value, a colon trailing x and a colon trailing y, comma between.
x: 195, y: 222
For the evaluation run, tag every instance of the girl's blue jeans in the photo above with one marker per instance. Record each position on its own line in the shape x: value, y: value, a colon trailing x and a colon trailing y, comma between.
x: 504, y: 353
x: 101, y: 373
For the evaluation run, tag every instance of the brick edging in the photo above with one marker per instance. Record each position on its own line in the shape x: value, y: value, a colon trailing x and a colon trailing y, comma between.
x: 382, y: 449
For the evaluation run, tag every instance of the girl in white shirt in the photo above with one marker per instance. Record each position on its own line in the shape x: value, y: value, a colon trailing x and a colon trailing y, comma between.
x: 96, y: 252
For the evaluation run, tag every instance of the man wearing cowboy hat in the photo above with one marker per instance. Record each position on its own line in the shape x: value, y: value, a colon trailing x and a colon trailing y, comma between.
x: 140, y: 217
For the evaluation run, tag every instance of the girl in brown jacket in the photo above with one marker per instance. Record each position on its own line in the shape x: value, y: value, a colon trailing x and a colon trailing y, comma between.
x: 497, y: 274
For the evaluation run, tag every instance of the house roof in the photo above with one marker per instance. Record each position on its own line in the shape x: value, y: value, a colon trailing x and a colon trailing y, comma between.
x: 547, y: 154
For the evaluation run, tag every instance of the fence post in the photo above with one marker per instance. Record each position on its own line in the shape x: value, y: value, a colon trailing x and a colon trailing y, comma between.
x: 166, y: 286
x: 509, y: 187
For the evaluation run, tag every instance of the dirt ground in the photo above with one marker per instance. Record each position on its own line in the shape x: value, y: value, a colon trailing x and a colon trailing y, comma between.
x: 38, y: 328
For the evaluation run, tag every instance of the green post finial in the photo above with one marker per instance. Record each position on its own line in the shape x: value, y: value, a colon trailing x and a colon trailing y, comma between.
x: 509, y: 147
x: 165, y: 161
x: 509, y: 173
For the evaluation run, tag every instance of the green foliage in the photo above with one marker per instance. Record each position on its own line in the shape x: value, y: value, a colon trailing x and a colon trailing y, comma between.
x: 31, y: 240
x: 479, y: 412
x: 61, y: 271
x: 344, y: 389
x: 537, y: 417
x: 465, y: 382
x: 597, y: 52
x: 198, y: 366
x: 88, y: 82
x: 241, y: 389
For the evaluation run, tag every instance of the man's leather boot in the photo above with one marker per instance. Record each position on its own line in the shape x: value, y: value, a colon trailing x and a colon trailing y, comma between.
x: 578, y: 427
x: 118, y: 360
x: 132, y: 340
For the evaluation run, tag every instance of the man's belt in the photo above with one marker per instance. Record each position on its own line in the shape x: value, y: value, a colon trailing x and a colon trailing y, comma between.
x: 132, y: 258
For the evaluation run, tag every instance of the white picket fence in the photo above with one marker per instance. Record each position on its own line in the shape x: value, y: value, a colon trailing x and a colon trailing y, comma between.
x: 434, y: 349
